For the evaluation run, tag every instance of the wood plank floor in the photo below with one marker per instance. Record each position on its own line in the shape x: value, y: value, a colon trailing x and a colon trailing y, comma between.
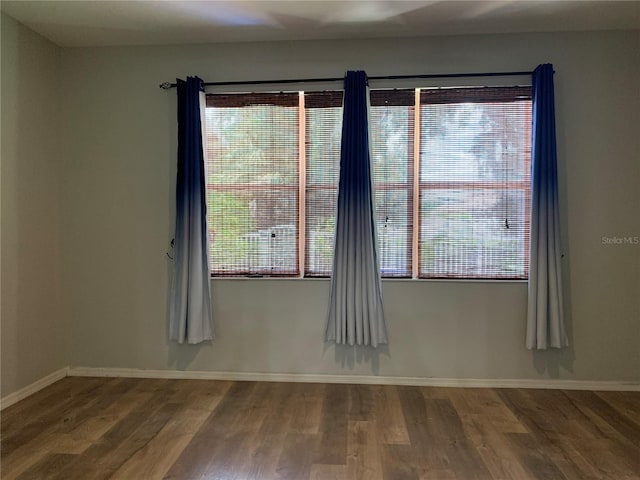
x: 133, y: 429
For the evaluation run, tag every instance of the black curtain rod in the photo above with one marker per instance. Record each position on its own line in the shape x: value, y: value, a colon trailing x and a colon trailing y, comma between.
x: 168, y: 85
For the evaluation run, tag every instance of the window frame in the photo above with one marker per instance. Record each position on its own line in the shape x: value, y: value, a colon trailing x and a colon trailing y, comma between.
x: 414, y: 185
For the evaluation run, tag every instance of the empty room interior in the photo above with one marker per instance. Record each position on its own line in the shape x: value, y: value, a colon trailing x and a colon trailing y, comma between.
x: 345, y: 240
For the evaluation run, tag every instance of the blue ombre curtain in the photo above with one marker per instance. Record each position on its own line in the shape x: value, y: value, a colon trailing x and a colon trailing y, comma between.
x: 545, y: 322
x: 190, y: 303
x: 355, y: 306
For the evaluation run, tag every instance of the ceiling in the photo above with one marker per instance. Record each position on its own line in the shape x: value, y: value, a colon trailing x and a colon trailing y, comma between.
x: 81, y: 23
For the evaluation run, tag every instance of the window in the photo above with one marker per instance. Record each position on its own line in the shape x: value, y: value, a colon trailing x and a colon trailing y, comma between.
x: 451, y: 174
x: 474, y: 182
x: 323, y: 133
x: 392, y: 119
x: 252, y: 183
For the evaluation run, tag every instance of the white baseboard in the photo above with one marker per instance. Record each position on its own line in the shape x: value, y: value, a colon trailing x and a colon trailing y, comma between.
x: 317, y: 378
x: 358, y: 379
x: 33, y: 388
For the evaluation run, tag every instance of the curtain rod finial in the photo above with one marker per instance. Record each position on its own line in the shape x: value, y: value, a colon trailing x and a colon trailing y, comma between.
x: 165, y: 85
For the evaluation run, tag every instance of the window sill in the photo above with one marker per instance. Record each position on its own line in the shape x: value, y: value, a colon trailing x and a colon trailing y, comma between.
x: 384, y: 280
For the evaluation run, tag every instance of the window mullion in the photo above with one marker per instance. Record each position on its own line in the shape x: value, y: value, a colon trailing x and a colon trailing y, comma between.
x: 302, y: 180
x: 415, y: 250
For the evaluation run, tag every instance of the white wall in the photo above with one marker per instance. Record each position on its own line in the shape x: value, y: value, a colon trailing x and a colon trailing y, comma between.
x: 119, y: 187
x: 33, y: 326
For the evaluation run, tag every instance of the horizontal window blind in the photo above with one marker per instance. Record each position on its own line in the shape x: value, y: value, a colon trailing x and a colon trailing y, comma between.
x: 252, y: 188
x: 474, y: 95
x: 475, y: 183
x: 238, y: 100
x: 392, y: 130
x: 323, y: 112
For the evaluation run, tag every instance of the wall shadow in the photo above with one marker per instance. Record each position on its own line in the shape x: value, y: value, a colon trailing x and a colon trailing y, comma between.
x: 348, y: 356
x: 181, y: 356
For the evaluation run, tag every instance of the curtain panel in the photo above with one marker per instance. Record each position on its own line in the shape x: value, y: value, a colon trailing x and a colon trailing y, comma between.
x: 355, y: 314
x: 190, y: 302
x: 545, y: 321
